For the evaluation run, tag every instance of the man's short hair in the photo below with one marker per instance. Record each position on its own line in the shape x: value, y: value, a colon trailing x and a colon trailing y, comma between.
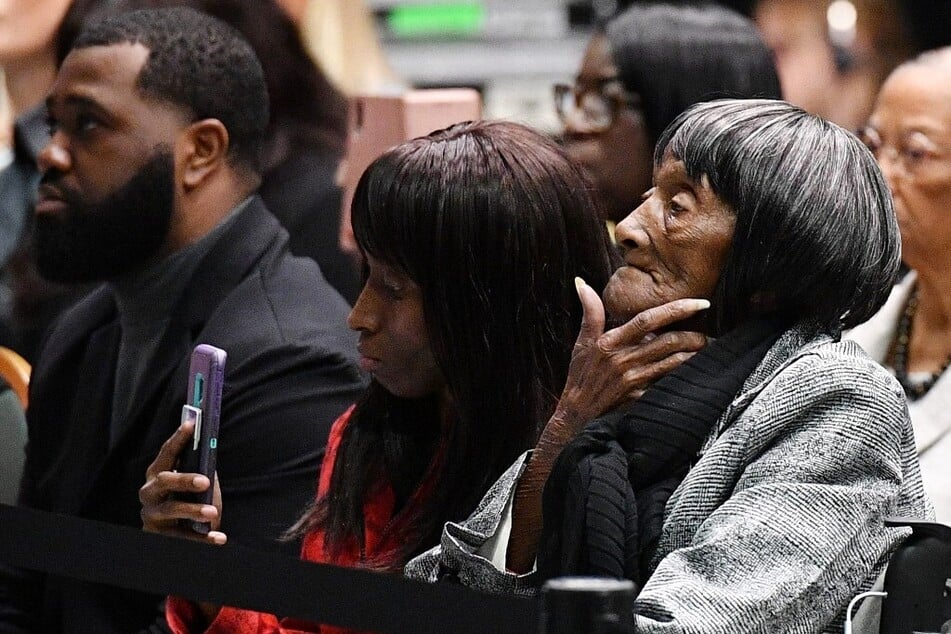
x: 200, y: 64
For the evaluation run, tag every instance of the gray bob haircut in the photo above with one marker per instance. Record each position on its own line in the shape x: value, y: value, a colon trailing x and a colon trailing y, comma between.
x: 816, y: 236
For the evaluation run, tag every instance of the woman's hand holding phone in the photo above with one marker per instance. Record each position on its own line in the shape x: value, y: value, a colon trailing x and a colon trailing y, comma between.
x: 162, y: 507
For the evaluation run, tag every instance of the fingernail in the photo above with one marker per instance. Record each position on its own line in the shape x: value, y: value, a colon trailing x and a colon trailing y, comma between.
x: 579, y: 283
x: 199, y: 481
x: 209, y: 511
x: 701, y: 304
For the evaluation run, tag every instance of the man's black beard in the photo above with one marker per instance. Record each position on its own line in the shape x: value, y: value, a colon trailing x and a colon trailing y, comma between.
x: 101, y: 241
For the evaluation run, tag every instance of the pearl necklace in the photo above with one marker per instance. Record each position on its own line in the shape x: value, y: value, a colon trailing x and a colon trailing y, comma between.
x: 899, y: 353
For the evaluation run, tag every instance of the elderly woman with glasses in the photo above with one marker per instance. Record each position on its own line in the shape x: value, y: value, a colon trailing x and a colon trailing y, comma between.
x: 643, y: 69
x: 910, y: 134
x: 746, y: 490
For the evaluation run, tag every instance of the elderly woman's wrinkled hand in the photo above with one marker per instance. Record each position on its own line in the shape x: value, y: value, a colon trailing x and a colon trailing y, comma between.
x: 607, y: 370
x: 610, y: 368
x: 162, y: 512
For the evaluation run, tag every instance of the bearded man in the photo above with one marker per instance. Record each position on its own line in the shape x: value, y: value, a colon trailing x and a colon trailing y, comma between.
x: 148, y: 185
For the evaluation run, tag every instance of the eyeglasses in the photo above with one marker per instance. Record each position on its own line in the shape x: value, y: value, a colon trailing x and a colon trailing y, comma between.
x: 915, y: 152
x: 593, y: 108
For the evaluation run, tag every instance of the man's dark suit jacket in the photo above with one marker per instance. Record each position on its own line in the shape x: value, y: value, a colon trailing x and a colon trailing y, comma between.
x: 290, y: 372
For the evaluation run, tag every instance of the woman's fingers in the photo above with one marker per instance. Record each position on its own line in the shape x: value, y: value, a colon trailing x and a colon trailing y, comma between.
x: 164, y: 514
x: 168, y: 454
x: 217, y: 538
x: 592, y: 319
x: 611, y: 368
x: 161, y: 485
x: 638, y: 378
x: 216, y: 498
x: 171, y: 518
x: 649, y: 359
x: 637, y: 369
x: 161, y: 511
x: 653, y: 319
x: 155, y: 516
x: 662, y: 346
x: 160, y: 496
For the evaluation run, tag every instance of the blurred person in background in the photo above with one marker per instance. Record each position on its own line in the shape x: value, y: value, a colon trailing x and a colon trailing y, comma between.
x: 342, y: 38
x: 910, y: 134
x: 28, y: 59
x: 6, y: 157
x: 832, y: 57
x: 642, y: 70
x: 6, y: 124
x: 27, y: 54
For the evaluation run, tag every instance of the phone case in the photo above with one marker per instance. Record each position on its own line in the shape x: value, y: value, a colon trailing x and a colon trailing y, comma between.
x: 203, y: 405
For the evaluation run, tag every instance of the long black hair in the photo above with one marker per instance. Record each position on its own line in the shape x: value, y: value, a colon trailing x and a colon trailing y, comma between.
x: 493, y: 222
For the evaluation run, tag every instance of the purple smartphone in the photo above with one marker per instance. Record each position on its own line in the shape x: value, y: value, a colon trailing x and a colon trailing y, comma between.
x: 203, y: 405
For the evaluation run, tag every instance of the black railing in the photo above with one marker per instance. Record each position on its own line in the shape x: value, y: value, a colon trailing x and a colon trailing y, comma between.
x: 277, y: 584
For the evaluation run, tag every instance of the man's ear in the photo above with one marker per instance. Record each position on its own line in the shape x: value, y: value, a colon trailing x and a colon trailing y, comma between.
x: 203, y: 150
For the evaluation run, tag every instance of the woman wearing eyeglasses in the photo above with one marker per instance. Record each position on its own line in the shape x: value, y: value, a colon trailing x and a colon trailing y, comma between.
x: 910, y: 134
x: 644, y: 68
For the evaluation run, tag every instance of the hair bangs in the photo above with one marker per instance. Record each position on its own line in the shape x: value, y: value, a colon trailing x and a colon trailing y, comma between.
x: 388, y: 204
x: 815, y: 236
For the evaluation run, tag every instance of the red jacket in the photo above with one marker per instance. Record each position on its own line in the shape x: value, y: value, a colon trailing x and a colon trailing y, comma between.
x: 381, y: 530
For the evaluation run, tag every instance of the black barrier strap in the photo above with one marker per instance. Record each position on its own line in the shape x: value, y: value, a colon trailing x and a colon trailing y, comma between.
x: 238, y: 576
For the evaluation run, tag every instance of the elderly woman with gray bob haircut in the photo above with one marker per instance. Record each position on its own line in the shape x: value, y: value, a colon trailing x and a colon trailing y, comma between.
x: 746, y: 490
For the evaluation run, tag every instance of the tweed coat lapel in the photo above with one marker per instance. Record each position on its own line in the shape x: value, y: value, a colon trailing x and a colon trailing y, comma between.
x: 795, y: 342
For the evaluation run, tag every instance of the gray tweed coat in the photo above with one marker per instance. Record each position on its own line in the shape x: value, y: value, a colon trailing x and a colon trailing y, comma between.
x: 779, y: 522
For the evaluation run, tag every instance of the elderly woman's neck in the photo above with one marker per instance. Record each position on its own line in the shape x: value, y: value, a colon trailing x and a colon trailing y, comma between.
x: 934, y: 303
x: 930, y: 344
